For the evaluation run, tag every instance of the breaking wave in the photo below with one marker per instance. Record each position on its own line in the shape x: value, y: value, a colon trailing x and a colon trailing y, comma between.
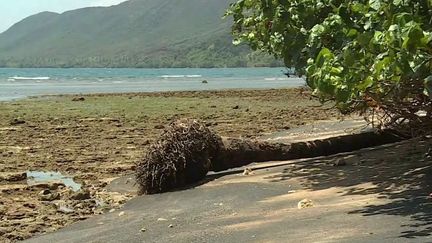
x: 28, y: 78
x: 180, y: 76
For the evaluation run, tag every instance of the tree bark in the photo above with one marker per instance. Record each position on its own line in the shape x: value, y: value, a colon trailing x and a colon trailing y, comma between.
x: 239, y: 152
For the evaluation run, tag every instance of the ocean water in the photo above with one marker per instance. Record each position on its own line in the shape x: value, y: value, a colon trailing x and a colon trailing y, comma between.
x: 24, y: 82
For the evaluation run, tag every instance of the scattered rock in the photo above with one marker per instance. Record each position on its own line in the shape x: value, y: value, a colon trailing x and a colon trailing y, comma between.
x: 17, y: 215
x: 60, y: 128
x: 65, y: 210
x: 122, y: 213
x: 340, y: 162
x: 63, y: 161
x: 78, y: 99
x: 170, y: 226
x: 47, y: 185
x: 12, y: 188
x: 428, y: 154
x: 159, y: 127
x: 236, y: 107
x: 248, y: 171
x: 9, y: 129
x: 47, y: 195
x: 29, y: 205
x: 80, y: 195
x: 13, y: 176
x: 109, y: 119
x: 305, y: 203
x: 161, y: 219
x: 143, y: 230
x: 16, y: 121
x: 79, y: 206
x: 112, y: 210
x: 2, y: 210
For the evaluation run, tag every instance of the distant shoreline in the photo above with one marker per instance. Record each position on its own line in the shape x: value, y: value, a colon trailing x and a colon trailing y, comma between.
x: 147, y: 93
x: 55, y: 67
x: 22, y: 83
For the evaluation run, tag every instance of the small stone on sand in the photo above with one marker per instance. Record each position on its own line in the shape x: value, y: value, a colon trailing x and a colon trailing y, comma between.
x: 248, y: 171
x: 305, y: 203
x: 340, y: 162
x: 78, y: 99
x: 47, y: 195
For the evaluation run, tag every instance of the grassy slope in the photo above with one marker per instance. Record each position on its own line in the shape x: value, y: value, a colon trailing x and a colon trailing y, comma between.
x: 137, y: 33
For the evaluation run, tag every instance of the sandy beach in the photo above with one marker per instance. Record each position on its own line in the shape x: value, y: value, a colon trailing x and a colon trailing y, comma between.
x: 93, y: 139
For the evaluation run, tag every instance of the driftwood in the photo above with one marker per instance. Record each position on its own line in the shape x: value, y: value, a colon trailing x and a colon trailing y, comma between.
x: 187, y: 150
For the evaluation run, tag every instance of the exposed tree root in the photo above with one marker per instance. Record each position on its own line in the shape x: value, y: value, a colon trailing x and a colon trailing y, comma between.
x: 187, y: 150
x: 181, y: 156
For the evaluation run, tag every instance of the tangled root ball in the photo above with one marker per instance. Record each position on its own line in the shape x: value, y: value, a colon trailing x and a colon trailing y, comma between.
x: 181, y: 156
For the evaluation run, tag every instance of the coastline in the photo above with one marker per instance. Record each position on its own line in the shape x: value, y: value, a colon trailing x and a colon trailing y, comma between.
x: 96, y: 138
x: 22, y: 83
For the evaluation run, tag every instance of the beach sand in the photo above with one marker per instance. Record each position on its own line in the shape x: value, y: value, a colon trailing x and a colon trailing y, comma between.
x: 94, y: 139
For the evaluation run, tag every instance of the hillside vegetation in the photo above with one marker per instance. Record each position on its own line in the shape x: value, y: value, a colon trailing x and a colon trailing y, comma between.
x: 136, y: 33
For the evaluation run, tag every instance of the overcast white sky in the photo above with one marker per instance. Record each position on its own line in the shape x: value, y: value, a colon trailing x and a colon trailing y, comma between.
x: 12, y: 11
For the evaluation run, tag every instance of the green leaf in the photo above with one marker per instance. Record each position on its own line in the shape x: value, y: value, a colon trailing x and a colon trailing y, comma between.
x: 323, y: 55
x: 381, y: 65
x: 368, y: 82
x: 375, y: 4
x: 350, y: 50
x: 364, y: 38
x: 352, y: 33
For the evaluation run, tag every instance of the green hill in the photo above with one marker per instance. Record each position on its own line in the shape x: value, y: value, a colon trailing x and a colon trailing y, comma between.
x: 136, y: 33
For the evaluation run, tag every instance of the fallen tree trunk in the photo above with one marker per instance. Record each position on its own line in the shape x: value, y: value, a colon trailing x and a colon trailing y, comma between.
x: 239, y: 152
x: 187, y: 150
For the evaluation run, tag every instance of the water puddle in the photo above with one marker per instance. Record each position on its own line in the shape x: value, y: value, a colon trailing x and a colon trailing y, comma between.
x: 34, y: 177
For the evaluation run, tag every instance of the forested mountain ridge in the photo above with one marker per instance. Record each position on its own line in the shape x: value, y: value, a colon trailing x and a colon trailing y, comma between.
x: 136, y: 33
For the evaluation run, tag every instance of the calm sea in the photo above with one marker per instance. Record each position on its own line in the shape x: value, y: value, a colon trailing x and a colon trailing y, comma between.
x: 23, y: 82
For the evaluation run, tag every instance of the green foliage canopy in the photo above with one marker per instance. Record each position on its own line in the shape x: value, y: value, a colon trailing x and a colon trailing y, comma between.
x: 361, y: 54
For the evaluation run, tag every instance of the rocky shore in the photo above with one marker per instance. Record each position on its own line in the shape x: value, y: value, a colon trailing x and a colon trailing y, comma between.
x: 91, y: 140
